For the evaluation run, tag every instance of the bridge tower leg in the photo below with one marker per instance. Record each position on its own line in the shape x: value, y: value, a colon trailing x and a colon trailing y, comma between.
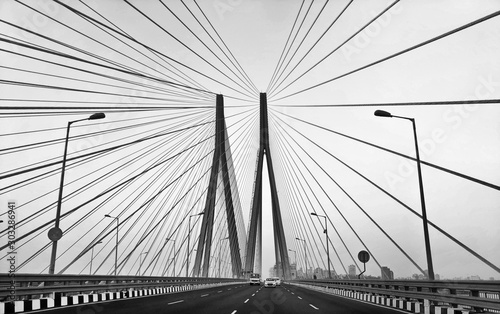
x: 219, y: 165
x: 281, y: 251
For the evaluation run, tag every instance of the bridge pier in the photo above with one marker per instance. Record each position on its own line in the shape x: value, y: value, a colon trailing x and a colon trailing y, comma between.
x: 254, y: 233
x: 219, y: 165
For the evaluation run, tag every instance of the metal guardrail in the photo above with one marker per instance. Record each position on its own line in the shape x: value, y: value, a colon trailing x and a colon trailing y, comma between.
x: 476, y: 295
x: 27, y: 286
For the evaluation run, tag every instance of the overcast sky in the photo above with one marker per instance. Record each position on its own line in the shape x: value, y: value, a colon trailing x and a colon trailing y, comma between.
x: 461, y: 138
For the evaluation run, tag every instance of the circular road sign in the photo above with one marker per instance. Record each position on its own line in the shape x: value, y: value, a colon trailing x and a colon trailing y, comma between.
x: 363, y: 256
x: 55, y: 234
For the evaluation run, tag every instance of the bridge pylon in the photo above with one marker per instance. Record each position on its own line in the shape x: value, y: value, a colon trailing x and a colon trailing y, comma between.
x: 253, y: 260
x: 219, y: 165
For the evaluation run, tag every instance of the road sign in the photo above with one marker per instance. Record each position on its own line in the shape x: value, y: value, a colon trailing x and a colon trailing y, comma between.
x: 363, y: 256
x: 55, y: 234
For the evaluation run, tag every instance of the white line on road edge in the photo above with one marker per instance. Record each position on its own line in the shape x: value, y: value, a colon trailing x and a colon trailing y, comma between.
x: 175, y: 302
x: 313, y: 307
x: 204, y: 295
x: 246, y: 301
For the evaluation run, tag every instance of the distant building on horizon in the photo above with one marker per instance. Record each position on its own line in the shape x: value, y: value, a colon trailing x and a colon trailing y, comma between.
x: 387, y: 273
x: 293, y: 270
x: 319, y: 273
x: 352, y: 271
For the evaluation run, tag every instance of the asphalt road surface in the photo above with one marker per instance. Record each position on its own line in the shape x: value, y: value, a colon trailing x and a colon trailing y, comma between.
x: 234, y: 299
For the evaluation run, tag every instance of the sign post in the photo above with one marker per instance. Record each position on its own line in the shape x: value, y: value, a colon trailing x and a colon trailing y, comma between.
x: 363, y: 257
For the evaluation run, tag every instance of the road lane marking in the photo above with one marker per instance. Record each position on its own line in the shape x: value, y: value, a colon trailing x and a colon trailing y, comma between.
x: 234, y: 311
x: 299, y: 297
x: 219, y: 291
x: 246, y: 301
x: 313, y: 307
x: 175, y: 302
x: 292, y: 293
x: 253, y: 295
x: 204, y: 295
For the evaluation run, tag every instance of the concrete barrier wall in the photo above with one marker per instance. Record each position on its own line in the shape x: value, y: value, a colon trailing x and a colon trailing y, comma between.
x: 60, y: 301
x: 393, y: 302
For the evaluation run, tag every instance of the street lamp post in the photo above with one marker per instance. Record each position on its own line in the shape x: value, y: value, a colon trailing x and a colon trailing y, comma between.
x: 430, y: 268
x: 55, y: 233
x: 140, y: 261
x: 327, y: 246
x: 116, y: 246
x: 92, y: 255
x: 189, y: 234
x: 220, y: 248
x: 305, y: 253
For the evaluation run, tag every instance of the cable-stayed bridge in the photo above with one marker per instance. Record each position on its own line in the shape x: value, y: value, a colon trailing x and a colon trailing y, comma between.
x: 155, y: 147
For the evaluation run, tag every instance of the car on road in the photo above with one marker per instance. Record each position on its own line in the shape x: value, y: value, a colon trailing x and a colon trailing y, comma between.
x: 278, y: 281
x: 254, y: 279
x: 270, y: 283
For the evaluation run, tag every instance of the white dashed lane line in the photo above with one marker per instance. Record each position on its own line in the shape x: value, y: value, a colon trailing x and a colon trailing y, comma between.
x: 219, y: 291
x: 234, y: 311
x: 313, y: 307
x: 204, y: 295
x: 175, y: 302
x: 299, y: 297
x: 246, y: 300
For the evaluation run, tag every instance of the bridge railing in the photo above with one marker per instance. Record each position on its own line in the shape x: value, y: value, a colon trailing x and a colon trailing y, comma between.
x: 473, y: 295
x: 28, y: 286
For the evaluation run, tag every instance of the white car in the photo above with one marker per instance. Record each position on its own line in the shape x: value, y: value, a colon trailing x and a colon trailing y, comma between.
x: 254, y: 279
x: 270, y: 283
x: 278, y: 281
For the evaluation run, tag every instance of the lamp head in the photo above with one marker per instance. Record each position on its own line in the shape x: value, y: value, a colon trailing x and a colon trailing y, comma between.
x: 96, y: 116
x: 382, y: 113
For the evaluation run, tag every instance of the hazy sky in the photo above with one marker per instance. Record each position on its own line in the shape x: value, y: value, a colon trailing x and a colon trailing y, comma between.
x: 465, y: 139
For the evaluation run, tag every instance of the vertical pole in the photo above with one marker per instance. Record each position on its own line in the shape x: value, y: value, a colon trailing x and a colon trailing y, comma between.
x: 91, y: 258
x: 305, y: 255
x: 59, y: 201
x: 116, y: 246
x: 187, y: 258
x: 327, y: 249
x: 430, y: 267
